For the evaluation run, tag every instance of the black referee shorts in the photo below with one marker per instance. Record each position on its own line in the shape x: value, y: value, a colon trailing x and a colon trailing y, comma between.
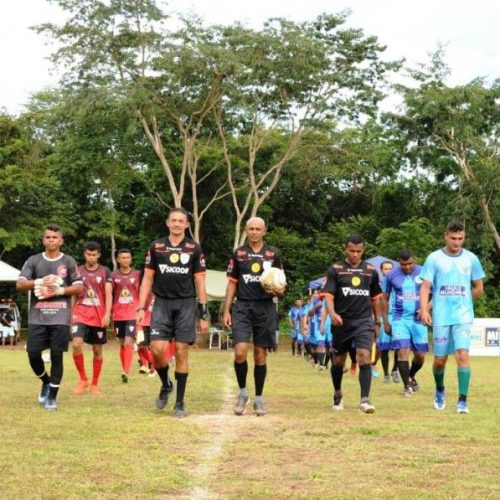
x: 53, y: 337
x: 360, y: 331
x: 257, y: 319
x: 174, y: 319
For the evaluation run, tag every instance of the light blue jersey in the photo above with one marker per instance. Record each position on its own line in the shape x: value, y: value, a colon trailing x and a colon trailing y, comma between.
x: 451, y: 277
x: 404, y: 293
x: 295, y: 316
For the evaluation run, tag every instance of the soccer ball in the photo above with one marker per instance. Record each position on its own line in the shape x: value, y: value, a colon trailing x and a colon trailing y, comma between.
x: 273, y: 280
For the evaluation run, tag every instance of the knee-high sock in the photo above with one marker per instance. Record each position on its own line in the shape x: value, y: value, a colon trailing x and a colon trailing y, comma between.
x: 96, y: 369
x: 404, y: 371
x: 56, y: 373
x: 80, y: 366
x: 463, y: 382
x: 415, y: 367
x: 143, y: 356
x: 438, y: 378
x: 181, y: 379
x: 38, y: 366
x: 365, y: 380
x: 395, y: 365
x: 259, y: 374
x: 122, y: 356
x: 241, y: 370
x: 128, y: 356
x: 337, y: 374
x: 352, y: 355
x: 384, y: 358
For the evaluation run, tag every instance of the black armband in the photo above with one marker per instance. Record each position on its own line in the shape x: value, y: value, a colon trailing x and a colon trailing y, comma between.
x: 203, y: 311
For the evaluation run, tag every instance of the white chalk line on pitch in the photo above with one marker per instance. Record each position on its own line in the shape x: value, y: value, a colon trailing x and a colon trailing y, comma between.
x: 222, y: 429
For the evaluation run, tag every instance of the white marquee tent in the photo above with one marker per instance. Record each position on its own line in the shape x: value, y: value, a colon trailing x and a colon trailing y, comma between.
x: 7, y: 272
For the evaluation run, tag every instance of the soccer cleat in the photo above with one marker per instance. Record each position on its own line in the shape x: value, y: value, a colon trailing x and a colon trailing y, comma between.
x: 81, y: 387
x: 338, y: 402
x: 375, y: 373
x: 387, y: 379
x: 395, y: 377
x: 439, y: 400
x: 143, y: 369
x: 50, y: 404
x: 44, y: 394
x: 367, y: 407
x: 151, y: 373
x: 407, y: 391
x: 240, y: 405
x: 258, y: 408
x: 322, y: 368
x: 414, y: 385
x: 94, y: 390
x: 125, y: 378
x: 162, y: 399
x: 180, y: 410
x: 462, y: 407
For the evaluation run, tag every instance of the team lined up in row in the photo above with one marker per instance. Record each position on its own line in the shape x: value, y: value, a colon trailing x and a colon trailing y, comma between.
x: 175, y: 275
x: 402, y: 311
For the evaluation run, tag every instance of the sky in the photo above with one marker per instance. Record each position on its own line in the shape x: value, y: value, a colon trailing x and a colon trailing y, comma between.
x: 468, y: 29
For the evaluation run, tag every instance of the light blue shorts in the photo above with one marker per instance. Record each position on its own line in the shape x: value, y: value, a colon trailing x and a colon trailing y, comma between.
x: 407, y: 334
x: 384, y: 341
x: 451, y: 338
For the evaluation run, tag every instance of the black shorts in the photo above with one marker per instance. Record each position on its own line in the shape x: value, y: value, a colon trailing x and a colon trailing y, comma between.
x: 147, y: 337
x: 255, y: 318
x: 93, y: 335
x: 124, y: 328
x: 53, y: 337
x: 174, y: 319
x: 359, y: 331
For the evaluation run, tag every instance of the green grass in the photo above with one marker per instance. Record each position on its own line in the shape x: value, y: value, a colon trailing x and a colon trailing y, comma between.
x: 118, y: 446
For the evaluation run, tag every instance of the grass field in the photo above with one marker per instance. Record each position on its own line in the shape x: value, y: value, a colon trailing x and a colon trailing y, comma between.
x: 118, y: 446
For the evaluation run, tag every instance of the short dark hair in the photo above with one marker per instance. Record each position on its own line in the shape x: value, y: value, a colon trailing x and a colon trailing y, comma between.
x: 178, y: 210
x: 386, y: 262
x: 53, y: 227
x: 355, y: 239
x: 92, y: 246
x: 405, y: 254
x: 123, y: 250
x: 455, y: 226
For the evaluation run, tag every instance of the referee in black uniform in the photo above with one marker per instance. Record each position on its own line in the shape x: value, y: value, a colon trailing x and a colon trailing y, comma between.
x: 175, y: 271
x: 352, y: 292
x: 254, y: 313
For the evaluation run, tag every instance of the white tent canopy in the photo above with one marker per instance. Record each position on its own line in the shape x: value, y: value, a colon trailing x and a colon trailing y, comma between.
x: 7, y: 272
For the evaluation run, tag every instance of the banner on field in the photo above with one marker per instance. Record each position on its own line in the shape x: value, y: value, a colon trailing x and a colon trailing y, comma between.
x: 485, y: 337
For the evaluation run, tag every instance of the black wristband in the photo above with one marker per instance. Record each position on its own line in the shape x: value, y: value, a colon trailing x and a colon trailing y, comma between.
x: 203, y: 311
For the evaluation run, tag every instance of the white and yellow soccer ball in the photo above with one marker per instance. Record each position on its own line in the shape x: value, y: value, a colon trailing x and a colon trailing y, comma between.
x: 273, y: 280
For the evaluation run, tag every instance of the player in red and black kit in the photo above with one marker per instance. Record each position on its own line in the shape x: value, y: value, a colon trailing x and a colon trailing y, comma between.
x: 91, y: 316
x: 126, y: 282
x: 254, y: 313
x: 353, y: 293
x: 54, y: 278
x: 175, y: 271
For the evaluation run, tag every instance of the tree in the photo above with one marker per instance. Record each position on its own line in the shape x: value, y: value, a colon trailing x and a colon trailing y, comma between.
x: 453, y: 132
x: 260, y: 93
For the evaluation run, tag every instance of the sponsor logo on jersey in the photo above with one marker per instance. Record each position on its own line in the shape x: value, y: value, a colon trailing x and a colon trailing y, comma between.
x: 452, y: 291
x: 174, y: 258
x: 98, y: 279
x: 347, y: 290
x: 62, y: 271
x: 189, y: 245
x: 185, y: 258
x: 255, y: 267
x: 241, y: 253
x: 159, y: 245
x: 164, y: 268
x: 418, y: 280
x: 250, y: 278
x: 356, y: 281
x: 267, y: 253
